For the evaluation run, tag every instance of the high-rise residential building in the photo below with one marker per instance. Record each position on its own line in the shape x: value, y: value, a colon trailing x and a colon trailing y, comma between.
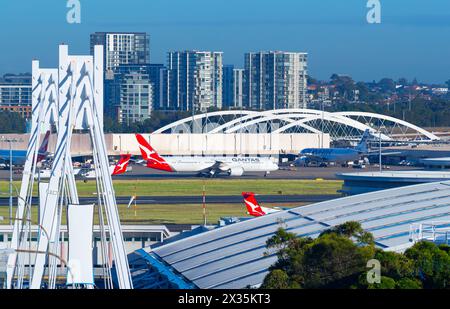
x: 228, y: 86
x: 233, y: 79
x: 238, y: 88
x: 15, y: 94
x: 195, y: 80
x: 122, y: 48
x: 159, y: 78
x: 275, y: 80
x: 126, y: 77
x: 130, y: 94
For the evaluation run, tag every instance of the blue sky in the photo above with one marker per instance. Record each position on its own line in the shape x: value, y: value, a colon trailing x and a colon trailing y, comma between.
x: 412, y: 40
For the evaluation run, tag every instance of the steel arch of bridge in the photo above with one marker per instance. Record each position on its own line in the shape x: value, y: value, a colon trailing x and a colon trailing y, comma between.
x: 219, y: 114
x: 401, y: 125
x: 340, y: 125
x: 283, y: 114
x: 231, y: 128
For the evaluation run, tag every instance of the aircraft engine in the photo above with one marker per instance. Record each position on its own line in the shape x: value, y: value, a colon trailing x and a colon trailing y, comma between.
x: 235, y: 171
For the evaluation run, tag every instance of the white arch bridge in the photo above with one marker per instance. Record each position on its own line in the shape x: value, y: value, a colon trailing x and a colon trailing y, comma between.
x: 339, y: 125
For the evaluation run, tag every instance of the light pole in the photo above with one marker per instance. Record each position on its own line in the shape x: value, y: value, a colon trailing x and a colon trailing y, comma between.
x: 379, y: 150
x: 10, y: 183
x: 10, y: 141
x: 321, y: 134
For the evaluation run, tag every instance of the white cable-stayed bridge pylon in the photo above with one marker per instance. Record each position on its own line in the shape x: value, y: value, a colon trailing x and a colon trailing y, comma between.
x: 80, y: 108
x: 44, y: 116
x: 79, y: 97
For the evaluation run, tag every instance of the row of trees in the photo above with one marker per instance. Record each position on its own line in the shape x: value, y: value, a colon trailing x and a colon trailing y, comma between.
x: 338, y: 259
x: 157, y: 120
x: 11, y: 122
x: 371, y: 92
x: 421, y: 112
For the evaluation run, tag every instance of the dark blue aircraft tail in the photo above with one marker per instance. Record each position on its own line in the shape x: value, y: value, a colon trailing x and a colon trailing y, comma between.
x: 362, y: 145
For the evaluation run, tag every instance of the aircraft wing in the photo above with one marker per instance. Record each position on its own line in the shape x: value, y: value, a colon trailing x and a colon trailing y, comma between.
x: 216, y: 167
x: 394, y: 153
x: 282, y: 208
x: 270, y: 210
x: 139, y: 161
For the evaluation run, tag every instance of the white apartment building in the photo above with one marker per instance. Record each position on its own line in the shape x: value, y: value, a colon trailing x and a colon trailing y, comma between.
x: 195, y: 80
x: 275, y: 80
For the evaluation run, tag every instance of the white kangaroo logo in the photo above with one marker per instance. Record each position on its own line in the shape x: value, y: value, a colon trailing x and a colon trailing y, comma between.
x: 252, y: 206
x: 147, y: 151
x: 255, y: 208
x: 121, y: 166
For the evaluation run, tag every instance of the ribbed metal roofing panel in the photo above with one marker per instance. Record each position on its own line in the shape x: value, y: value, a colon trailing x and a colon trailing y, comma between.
x: 222, y: 233
x: 238, y: 271
x: 233, y: 256
x: 250, y: 280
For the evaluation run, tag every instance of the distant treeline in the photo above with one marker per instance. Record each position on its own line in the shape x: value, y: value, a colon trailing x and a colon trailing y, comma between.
x: 423, y: 113
x: 157, y: 120
x: 12, y: 122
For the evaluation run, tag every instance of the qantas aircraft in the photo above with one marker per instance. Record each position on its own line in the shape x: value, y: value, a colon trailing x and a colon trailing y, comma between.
x: 122, y: 165
x: 119, y: 168
x: 206, y: 166
x: 19, y: 156
x: 253, y: 207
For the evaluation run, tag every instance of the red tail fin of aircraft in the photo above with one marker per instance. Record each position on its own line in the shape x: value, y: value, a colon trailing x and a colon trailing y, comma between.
x: 154, y: 160
x: 42, y: 152
x: 121, y: 166
x: 253, y: 207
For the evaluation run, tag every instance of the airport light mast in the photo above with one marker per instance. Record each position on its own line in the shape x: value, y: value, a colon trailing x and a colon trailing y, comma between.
x: 379, y: 151
x: 10, y: 141
x: 379, y: 147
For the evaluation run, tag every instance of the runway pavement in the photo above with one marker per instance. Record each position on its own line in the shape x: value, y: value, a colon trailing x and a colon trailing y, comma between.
x: 216, y: 199
x: 142, y: 172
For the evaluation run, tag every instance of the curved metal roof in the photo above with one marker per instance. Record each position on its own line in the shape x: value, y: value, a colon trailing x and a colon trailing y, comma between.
x: 306, y: 119
x: 233, y: 256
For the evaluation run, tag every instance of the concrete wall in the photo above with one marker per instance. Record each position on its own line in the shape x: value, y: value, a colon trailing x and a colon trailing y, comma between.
x: 191, y: 144
x: 221, y: 144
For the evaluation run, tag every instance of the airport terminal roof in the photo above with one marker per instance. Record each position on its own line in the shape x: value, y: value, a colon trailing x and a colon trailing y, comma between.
x: 400, y: 176
x: 234, y: 256
x: 363, y: 182
x: 444, y: 161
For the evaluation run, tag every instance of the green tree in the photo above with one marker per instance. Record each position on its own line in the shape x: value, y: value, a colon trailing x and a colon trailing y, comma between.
x: 432, y: 264
x: 387, y: 85
x: 276, y: 279
x: 338, y: 259
x: 351, y: 229
x: 331, y: 260
x: 409, y: 284
x: 12, y: 122
x: 402, y: 81
x: 395, y: 265
x: 386, y: 283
